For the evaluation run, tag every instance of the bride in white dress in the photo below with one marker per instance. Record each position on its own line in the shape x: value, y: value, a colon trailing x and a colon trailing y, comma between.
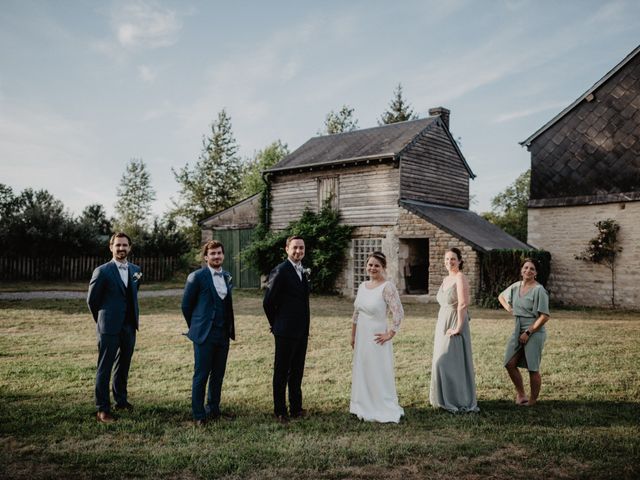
x: 373, y: 384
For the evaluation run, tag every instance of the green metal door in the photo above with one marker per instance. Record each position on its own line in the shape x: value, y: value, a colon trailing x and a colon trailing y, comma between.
x: 234, y: 242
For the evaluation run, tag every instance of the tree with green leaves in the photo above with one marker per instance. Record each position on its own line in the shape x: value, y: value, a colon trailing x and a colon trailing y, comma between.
x: 509, y: 208
x: 603, y: 249
x: 399, y: 110
x: 213, y: 183
x: 252, y: 176
x: 340, y: 121
x: 135, y: 196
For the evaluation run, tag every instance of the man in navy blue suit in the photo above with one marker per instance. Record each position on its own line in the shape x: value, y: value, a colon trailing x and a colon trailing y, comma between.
x: 113, y: 301
x: 208, y: 310
x: 286, y: 304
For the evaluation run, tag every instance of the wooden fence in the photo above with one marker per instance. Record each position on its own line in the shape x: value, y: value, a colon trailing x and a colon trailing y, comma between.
x: 78, y: 269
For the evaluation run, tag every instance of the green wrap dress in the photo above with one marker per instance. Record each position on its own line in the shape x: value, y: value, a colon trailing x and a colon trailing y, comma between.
x: 526, y: 309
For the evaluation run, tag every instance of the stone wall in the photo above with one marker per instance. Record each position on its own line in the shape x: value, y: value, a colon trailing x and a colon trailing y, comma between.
x: 565, y: 232
x: 412, y: 226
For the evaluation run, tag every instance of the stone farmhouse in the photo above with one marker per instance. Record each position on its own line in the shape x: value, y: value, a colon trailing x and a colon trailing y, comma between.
x: 585, y: 167
x: 405, y: 187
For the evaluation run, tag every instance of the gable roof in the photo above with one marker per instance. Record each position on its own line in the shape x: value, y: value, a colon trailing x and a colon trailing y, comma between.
x: 383, y: 142
x: 464, y: 224
x: 247, y: 208
x: 584, y: 96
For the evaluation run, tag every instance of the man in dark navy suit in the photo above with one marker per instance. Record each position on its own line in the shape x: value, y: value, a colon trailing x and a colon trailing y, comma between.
x: 208, y: 310
x: 113, y: 301
x: 286, y: 304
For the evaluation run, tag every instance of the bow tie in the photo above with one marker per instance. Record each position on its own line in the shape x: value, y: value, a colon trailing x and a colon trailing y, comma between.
x: 123, y: 267
x: 299, y: 268
x: 218, y: 274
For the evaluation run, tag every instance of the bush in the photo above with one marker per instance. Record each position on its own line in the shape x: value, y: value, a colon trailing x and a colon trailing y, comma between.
x: 325, y: 240
x: 501, y: 268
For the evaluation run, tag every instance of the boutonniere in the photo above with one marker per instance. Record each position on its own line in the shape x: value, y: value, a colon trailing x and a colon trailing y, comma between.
x: 307, y: 272
x: 137, y: 276
x: 229, y: 279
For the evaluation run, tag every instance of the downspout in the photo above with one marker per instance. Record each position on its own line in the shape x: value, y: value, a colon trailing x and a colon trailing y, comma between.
x: 265, y: 179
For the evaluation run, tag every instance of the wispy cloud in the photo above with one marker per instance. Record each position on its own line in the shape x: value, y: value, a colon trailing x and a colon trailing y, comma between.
x: 508, y: 116
x: 142, y: 25
x: 139, y: 26
x: 147, y: 74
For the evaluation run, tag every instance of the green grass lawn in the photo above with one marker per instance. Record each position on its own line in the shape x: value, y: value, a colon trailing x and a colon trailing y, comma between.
x: 585, y: 426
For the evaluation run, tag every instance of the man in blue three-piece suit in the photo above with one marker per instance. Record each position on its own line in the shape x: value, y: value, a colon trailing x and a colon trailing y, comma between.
x: 208, y: 310
x: 286, y: 304
x: 113, y: 301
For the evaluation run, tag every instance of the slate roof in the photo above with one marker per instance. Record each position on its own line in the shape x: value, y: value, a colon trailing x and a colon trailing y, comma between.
x: 386, y: 141
x: 465, y: 225
x: 590, y: 153
x: 582, y: 97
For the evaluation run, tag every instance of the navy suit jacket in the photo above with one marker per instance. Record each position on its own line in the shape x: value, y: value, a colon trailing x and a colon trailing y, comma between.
x: 286, y: 302
x: 198, y: 304
x: 107, y: 297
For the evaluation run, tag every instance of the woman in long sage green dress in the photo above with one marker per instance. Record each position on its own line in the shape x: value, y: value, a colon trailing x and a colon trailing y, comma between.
x: 453, y: 384
x: 528, y: 301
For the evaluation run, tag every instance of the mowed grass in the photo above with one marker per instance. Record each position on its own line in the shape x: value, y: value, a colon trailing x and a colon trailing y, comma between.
x: 585, y: 426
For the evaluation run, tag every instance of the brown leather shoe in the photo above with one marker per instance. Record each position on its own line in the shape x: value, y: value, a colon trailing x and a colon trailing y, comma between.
x: 281, y: 419
x: 105, y: 417
x: 301, y: 414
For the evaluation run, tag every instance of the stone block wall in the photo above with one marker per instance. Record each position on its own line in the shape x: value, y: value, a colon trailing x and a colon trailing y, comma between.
x: 565, y: 232
x: 412, y: 226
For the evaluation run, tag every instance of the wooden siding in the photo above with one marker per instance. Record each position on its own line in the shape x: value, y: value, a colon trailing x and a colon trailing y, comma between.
x: 592, y: 154
x: 432, y: 171
x: 368, y: 195
x: 290, y: 194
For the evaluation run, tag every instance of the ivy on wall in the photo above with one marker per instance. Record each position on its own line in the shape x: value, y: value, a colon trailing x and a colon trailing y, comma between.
x: 326, y: 242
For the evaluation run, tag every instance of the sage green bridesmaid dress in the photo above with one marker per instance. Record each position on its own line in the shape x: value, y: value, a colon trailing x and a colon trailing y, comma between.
x: 453, y: 383
x: 526, y: 309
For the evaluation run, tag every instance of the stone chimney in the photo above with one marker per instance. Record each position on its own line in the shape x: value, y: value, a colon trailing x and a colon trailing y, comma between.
x: 442, y: 112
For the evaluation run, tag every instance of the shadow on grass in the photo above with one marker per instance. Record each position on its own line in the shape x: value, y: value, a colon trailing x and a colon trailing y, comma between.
x: 27, y: 415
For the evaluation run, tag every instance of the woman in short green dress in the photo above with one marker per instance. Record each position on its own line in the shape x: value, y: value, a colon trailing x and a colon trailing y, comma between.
x: 528, y: 301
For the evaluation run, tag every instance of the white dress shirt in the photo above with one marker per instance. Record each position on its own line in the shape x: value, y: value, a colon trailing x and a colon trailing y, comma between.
x: 218, y: 282
x: 123, y: 270
x: 298, y: 267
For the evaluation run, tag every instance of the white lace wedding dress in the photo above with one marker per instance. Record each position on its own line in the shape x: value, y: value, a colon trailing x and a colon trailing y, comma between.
x: 373, y: 384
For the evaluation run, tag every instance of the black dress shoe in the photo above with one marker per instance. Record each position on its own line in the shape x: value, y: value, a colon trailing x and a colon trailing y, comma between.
x: 124, y: 406
x: 223, y: 415
x: 281, y: 419
x: 302, y: 413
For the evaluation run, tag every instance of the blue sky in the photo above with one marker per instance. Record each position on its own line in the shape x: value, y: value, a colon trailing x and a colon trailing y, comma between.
x: 87, y: 85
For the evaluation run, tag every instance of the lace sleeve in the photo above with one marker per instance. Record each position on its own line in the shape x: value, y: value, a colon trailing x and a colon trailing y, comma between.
x: 392, y: 299
x: 354, y: 318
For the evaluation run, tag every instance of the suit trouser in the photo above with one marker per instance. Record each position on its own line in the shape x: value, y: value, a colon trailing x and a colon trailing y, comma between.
x: 288, y: 370
x: 210, y: 363
x: 114, y: 353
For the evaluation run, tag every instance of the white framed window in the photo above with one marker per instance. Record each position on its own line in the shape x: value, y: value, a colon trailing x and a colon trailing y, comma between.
x: 362, y: 247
